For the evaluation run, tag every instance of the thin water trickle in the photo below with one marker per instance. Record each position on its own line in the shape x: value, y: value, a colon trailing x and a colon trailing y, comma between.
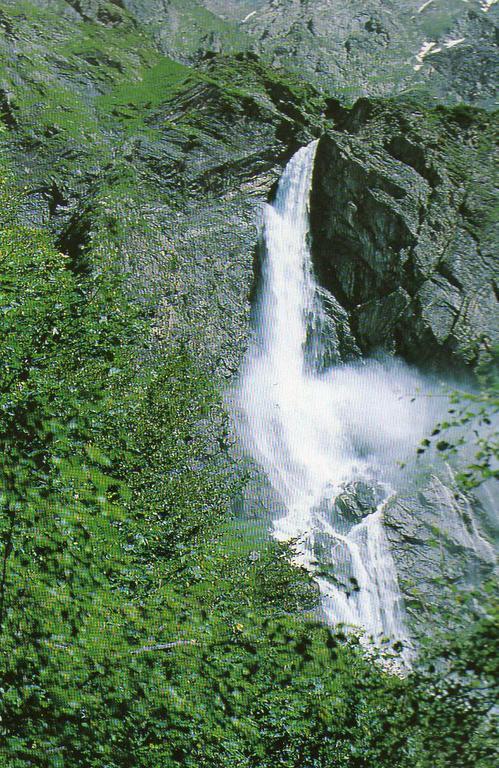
x: 317, y: 433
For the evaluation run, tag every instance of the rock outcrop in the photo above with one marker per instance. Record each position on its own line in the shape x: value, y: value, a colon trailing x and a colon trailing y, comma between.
x: 404, y: 239
x: 440, y: 544
x: 403, y: 234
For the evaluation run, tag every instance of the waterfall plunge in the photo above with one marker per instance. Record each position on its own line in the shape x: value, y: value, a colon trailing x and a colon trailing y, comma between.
x: 315, y: 431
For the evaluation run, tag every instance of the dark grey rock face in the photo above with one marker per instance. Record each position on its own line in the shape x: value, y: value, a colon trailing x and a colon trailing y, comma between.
x: 399, y: 242
x: 357, y: 500
x: 397, y: 235
x: 440, y: 545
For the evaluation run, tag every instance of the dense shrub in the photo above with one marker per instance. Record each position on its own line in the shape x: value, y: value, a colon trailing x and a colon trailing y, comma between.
x: 137, y: 628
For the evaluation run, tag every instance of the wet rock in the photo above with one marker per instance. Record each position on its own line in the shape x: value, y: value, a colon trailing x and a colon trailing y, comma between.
x: 396, y: 235
x: 440, y: 543
x: 334, y: 340
x: 357, y: 500
x: 377, y: 319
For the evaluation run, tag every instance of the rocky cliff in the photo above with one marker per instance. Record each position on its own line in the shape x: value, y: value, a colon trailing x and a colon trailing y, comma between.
x: 404, y: 234
x: 404, y: 239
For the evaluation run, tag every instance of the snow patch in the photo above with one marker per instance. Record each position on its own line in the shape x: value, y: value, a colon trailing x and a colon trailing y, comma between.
x: 248, y: 17
x: 452, y: 43
x: 423, y: 51
x: 425, y: 5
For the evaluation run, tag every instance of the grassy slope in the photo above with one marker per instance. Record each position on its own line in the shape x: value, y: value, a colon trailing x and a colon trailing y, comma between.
x: 129, y: 139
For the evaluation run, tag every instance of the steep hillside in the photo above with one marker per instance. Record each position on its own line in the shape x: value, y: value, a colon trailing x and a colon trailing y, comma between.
x: 446, y: 47
x: 147, y: 616
x: 170, y: 162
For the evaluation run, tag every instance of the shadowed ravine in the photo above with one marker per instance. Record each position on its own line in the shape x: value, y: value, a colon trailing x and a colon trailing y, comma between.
x: 320, y: 431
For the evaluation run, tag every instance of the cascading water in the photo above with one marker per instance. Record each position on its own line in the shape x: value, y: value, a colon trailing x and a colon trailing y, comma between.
x: 318, y: 431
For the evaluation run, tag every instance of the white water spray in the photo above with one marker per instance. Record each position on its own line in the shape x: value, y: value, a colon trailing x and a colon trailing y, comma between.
x: 318, y: 433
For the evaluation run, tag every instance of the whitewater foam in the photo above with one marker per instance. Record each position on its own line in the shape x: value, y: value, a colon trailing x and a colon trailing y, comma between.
x: 317, y: 433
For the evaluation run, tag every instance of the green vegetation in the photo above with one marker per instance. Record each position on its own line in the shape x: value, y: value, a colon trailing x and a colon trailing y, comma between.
x: 139, y: 624
x: 142, y: 623
x: 156, y: 86
x: 472, y: 413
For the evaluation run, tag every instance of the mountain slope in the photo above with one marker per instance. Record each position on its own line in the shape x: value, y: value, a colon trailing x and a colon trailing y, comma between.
x: 447, y: 47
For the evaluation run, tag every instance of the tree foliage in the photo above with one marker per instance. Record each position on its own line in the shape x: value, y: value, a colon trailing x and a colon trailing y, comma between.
x: 471, y: 425
x: 137, y: 626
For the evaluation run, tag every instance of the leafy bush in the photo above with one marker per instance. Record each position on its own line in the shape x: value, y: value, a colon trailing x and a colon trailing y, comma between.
x: 137, y: 628
x: 472, y: 421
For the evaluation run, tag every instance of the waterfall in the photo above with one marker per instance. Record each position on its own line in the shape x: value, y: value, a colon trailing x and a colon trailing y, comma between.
x: 322, y: 435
